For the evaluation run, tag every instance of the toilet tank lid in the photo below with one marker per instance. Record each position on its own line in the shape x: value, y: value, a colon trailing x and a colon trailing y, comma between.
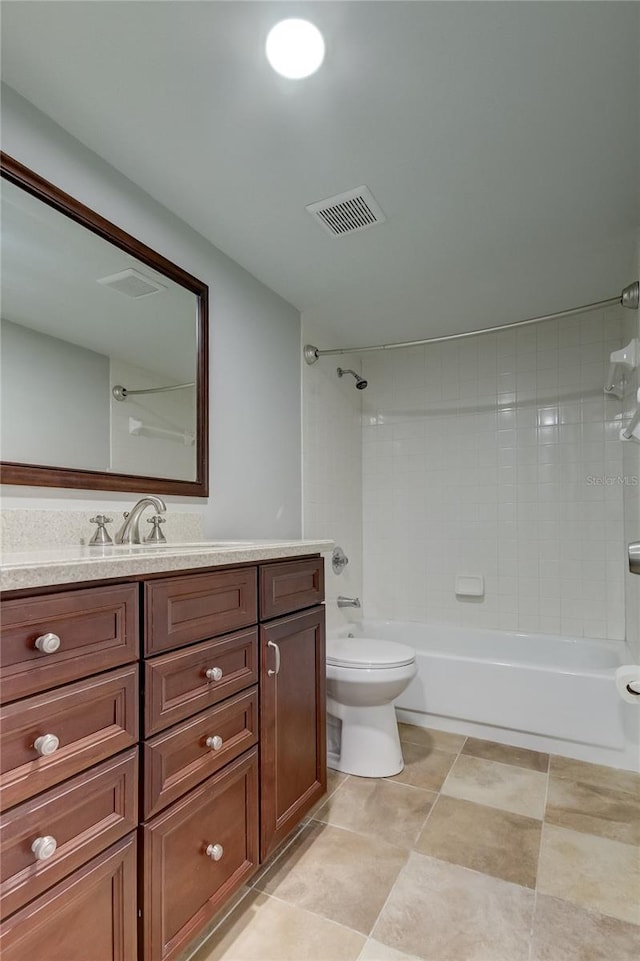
x: 367, y: 652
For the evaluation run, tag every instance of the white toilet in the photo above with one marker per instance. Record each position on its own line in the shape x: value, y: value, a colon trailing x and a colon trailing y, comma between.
x: 364, y: 676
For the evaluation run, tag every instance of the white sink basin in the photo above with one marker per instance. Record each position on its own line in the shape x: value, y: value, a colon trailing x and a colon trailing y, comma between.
x: 188, y: 546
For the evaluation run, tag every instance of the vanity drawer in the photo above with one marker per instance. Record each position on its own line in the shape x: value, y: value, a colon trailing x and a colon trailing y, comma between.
x: 89, y: 915
x: 183, y: 886
x: 181, y: 610
x: 92, y: 720
x: 290, y: 586
x: 180, y: 758
x: 177, y: 686
x: 97, y: 629
x: 84, y: 816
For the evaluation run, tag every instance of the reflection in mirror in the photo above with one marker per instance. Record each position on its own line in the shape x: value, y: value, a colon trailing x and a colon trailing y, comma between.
x: 99, y: 362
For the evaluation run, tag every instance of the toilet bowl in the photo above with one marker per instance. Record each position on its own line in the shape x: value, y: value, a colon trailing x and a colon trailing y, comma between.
x: 364, y: 677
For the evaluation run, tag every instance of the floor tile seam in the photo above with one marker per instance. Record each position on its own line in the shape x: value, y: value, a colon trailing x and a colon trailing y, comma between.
x: 218, y: 924
x: 282, y: 850
x: 509, y: 767
x: 406, y: 740
x: 367, y: 837
x: 564, y: 777
x: 465, y: 867
x: 579, y: 904
x: 634, y: 799
x: 325, y: 800
x: 535, y: 887
x: 522, y: 767
x: 437, y: 793
x: 449, y: 864
x: 453, y: 764
x: 386, y: 900
x: 495, y: 807
x: 322, y: 917
x: 554, y: 823
x: 596, y: 837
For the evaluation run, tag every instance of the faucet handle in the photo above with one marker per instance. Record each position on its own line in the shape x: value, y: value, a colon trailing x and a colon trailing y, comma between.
x: 101, y: 535
x: 156, y: 536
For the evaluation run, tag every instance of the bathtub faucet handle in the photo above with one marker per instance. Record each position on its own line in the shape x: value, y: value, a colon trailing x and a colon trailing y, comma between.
x: 348, y: 601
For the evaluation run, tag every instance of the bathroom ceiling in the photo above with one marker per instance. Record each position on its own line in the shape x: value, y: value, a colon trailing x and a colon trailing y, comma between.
x: 500, y: 139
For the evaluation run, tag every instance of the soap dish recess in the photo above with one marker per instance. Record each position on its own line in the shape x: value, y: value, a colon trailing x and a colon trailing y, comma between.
x: 469, y: 585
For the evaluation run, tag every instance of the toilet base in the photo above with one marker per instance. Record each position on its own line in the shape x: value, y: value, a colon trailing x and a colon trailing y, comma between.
x: 369, y: 741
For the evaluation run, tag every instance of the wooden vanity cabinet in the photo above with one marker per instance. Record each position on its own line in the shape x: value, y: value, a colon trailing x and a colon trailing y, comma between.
x: 229, y: 669
x: 213, y: 814
x: 292, y: 723
x: 69, y: 683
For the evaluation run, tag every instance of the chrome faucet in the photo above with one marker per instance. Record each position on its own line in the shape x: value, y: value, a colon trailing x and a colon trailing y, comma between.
x: 129, y: 533
x: 348, y: 601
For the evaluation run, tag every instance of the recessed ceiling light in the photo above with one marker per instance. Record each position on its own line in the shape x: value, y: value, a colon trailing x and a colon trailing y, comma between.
x: 295, y: 48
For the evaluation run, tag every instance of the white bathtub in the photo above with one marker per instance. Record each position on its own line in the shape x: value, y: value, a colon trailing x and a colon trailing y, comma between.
x: 540, y: 691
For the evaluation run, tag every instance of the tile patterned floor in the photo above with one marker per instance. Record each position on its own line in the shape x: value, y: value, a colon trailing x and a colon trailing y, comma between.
x: 475, y: 852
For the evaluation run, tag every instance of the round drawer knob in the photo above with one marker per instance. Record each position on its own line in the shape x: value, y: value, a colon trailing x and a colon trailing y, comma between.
x: 214, y: 674
x: 214, y: 742
x: 214, y: 851
x: 47, y: 643
x: 44, y: 848
x: 46, y: 744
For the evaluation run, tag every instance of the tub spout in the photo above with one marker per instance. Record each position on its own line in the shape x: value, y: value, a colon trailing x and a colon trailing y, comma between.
x: 348, y: 601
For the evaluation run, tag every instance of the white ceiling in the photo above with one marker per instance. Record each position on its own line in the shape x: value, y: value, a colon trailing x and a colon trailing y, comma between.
x: 500, y: 139
x: 50, y: 269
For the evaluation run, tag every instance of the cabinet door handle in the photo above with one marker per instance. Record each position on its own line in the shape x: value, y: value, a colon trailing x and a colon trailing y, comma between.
x: 47, y: 643
x: 214, y: 674
x: 214, y: 851
x: 277, y: 650
x: 44, y: 848
x: 46, y: 744
x: 214, y: 742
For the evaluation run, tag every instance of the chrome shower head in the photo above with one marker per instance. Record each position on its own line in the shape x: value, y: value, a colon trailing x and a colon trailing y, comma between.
x: 361, y: 383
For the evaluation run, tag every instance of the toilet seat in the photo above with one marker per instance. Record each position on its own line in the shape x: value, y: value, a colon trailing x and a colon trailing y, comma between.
x: 367, y: 653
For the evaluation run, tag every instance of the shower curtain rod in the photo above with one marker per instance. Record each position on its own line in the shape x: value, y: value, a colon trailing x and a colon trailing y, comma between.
x: 629, y: 297
x: 121, y: 393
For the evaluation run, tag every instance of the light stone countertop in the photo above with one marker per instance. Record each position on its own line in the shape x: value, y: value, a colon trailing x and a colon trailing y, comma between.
x: 66, y: 565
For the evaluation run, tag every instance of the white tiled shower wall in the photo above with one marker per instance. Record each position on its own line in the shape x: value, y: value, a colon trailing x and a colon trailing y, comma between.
x: 499, y: 456
x: 332, y: 477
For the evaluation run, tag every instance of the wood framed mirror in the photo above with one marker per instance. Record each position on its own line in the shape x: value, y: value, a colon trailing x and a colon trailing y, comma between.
x: 104, y: 360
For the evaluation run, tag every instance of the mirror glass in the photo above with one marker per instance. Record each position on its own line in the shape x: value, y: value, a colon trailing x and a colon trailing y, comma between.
x: 85, y: 326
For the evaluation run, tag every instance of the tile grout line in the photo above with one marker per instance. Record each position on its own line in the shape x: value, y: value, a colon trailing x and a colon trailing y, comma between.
x: 437, y: 793
x: 321, y: 917
x: 412, y: 850
x: 535, y: 890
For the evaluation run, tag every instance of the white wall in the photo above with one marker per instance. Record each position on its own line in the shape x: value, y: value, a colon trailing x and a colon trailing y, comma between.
x: 55, y: 401
x: 173, y: 453
x: 332, y: 472
x: 255, y: 452
x: 492, y: 456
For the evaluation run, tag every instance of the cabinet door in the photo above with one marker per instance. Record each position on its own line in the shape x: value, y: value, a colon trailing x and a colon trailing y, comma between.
x: 196, y: 854
x: 293, y: 774
x: 90, y: 916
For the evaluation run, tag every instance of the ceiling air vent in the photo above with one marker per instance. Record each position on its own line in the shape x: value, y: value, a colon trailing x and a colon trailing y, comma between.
x: 347, y: 213
x: 132, y: 283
